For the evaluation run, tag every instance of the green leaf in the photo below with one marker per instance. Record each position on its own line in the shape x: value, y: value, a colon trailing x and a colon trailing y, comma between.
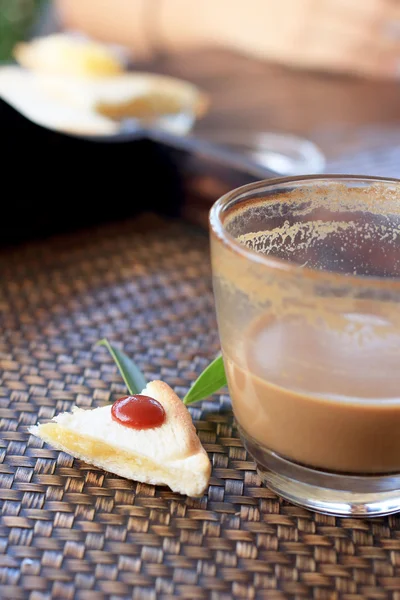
x: 131, y: 374
x: 212, y: 379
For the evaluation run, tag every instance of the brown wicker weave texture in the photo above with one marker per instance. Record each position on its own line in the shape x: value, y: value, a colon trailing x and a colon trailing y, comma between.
x: 69, y: 530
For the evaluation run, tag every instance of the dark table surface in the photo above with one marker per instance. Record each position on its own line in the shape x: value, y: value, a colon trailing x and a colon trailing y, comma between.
x: 355, y: 121
x: 70, y: 531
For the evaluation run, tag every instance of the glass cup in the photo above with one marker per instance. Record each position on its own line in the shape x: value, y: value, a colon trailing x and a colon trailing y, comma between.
x: 306, y: 274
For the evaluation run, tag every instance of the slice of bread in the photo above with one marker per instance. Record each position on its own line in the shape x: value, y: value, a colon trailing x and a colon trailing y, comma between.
x: 129, y: 95
x: 170, y: 455
x: 66, y: 54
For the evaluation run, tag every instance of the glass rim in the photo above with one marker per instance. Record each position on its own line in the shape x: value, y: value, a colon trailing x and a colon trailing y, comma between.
x: 218, y: 228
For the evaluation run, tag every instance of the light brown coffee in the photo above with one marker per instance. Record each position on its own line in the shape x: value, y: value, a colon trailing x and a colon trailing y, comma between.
x: 321, y: 397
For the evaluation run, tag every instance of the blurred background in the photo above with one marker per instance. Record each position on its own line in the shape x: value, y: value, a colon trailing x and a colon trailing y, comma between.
x: 326, y: 70
x: 338, y: 35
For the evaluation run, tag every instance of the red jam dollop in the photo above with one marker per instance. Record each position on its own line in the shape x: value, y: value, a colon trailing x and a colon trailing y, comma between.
x: 138, y: 412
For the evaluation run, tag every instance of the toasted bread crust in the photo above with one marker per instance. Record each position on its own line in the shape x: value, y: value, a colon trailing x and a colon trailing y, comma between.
x: 180, y: 413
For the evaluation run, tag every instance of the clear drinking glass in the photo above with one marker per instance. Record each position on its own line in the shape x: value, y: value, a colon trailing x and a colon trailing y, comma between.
x: 306, y: 275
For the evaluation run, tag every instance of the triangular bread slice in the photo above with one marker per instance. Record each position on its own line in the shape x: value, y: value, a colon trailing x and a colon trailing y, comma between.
x: 170, y: 455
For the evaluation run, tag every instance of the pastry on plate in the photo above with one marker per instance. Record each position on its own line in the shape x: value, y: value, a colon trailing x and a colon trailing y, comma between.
x: 65, y: 54
x: 149, y: 437
x: 75, y: 75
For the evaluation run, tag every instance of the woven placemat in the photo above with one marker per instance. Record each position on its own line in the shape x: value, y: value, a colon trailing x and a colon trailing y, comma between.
x: 71, y: 531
